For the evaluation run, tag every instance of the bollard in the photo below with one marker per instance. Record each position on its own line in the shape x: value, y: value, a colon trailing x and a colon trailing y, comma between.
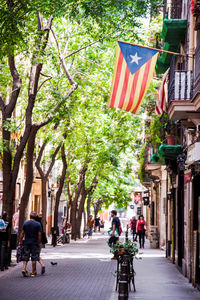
x: 123, y: 290
x: 126, y: 235
x: 123, y: 281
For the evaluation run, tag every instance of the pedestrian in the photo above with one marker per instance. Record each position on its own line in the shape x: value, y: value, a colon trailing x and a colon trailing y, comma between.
x: 32, y: 232
x: 4, y: 229
x: 90, y: 226
x: 62, y: 226
x: 43, y: 242
x: 102, y: 224
x: 115, y: 230
x: 133, y: 224
x: 15, y: 220
x: 141, y: 227
x: 97, y: 223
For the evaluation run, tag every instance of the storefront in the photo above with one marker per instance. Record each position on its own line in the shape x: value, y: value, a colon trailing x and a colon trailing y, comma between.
x: 193, y: 164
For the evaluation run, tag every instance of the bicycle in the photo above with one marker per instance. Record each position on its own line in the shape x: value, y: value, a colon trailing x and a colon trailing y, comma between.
x: 64, y: 238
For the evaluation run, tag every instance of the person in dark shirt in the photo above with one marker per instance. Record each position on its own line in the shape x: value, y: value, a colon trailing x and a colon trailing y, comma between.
x: 32, y: 232
x: 97, y: 224
x: 115, y: 229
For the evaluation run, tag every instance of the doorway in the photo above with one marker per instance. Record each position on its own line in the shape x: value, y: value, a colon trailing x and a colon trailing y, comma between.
x: 180, y: 215
x: 196, y: 221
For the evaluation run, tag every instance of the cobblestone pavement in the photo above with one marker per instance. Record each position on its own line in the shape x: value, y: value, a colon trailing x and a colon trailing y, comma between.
x: 83, y: 272
x: 158, y: 279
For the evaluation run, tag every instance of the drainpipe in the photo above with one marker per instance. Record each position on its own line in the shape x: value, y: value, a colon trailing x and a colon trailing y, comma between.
x: 191, y: 41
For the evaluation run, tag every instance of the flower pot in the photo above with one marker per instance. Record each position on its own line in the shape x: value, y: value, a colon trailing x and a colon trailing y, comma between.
x: 171, y: 139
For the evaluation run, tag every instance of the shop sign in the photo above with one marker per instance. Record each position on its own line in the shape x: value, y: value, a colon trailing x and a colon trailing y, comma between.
x: 146, y: 200
x: 193, y: 153
x: 187, y: 176
x: 137, y: 198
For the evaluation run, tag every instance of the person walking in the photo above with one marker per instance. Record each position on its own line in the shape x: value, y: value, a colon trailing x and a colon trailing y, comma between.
x: 102, y: 224
x: 141, y: 227
x: 133, y: 224
x: 15, y: 220
x: 90, y: 226
x: 97, y: 223
x: 115, y: 230
x: 32, y: 232
x: 43, y: 242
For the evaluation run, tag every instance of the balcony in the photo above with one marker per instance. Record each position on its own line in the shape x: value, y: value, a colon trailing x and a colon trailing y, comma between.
x: 151, y: 165
x: 173, y: 33
x: 180, y: 89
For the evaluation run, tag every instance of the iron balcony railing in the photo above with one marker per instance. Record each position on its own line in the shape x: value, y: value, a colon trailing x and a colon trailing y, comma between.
x: 180, y: 85
x: 174, y: 10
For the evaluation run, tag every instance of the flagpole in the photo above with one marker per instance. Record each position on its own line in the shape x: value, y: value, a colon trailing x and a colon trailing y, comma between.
x: 160, y: 50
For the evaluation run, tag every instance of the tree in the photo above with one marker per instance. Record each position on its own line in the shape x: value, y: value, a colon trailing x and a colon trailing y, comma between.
x: 61, y: 186
x: 25, y: 33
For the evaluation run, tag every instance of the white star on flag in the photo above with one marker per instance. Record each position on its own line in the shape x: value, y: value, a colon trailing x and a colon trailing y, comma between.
x: 135, y: 58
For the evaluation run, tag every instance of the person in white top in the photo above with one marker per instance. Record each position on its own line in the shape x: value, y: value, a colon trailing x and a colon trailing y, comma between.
x: 15, y: 220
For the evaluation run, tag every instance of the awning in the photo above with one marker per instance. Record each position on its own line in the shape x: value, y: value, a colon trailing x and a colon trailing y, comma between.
x: 166, y: 57
x: 174, y: 30
x: 170, y: 151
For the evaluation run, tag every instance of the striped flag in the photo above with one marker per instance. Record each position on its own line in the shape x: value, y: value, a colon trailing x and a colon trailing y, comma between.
x: 133, y: 70
x: 161, y: 104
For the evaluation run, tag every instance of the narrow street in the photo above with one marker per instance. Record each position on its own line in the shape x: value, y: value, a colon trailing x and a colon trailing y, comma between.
x: 84, y: 271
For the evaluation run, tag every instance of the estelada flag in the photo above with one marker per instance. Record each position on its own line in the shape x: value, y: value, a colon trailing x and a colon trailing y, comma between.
x: 161, y: 104
x: 133, y: 70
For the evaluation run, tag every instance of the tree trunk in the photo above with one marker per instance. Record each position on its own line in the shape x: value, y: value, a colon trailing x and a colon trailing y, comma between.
x: 73, y: 219
x: 44, y: 178
x: 68, y: 212
x: 29, y: 177
x: 80, y: 214
x: 85, y: 221
x: 7, y: 175
x: 88, y: 207
x: 61, y: 185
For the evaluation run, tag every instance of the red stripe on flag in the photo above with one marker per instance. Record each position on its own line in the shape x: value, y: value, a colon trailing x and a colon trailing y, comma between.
x: 133, y: 90
x: 117, y: 78
x: 157, y: 110
x: 143, y: 85
x: 124, y: 89
x: 163, y: 95
x: 157, y: 105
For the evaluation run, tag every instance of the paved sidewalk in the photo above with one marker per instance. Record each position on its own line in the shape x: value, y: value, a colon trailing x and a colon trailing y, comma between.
x: 158, y: 279
x: 83, y: 272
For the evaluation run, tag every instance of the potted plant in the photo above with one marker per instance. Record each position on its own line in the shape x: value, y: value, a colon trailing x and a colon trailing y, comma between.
x: 195, y: 9
x: 129, y: 248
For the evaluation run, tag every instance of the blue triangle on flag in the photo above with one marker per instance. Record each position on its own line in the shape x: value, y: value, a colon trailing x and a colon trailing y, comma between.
x: 136, y: 56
